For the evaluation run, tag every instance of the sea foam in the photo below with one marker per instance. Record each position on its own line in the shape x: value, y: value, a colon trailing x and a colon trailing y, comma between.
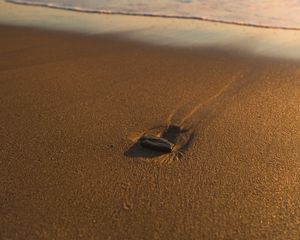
x: 279, y: 14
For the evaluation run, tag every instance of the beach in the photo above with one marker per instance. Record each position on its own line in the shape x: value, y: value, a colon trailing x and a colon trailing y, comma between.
x: 73, y: 106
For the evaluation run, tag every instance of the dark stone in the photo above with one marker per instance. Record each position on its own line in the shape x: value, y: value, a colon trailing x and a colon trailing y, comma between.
x: 156, y: 143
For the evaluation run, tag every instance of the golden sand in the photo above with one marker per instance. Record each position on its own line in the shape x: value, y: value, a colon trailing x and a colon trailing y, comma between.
x: 72, y: 107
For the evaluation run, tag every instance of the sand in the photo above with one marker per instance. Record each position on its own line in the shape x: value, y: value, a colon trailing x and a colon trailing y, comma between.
x: 73, y: 105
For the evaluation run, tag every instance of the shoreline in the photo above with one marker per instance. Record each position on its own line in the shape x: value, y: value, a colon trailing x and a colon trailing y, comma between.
x: 73, y: 105
x: 123, y: 13
x: 156, y: 31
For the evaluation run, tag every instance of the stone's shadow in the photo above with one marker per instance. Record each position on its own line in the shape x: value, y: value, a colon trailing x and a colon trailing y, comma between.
x: 182, y: 138
x: 171, y: 133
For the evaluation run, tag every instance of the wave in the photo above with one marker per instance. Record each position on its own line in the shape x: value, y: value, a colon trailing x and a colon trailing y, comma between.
x: 150, y: 14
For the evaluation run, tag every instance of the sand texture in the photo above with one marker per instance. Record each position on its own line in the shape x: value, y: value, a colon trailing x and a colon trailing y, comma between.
x: 73, y: 106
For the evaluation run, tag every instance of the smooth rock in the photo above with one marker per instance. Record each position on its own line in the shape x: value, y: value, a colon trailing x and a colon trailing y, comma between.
x: 156, y: 143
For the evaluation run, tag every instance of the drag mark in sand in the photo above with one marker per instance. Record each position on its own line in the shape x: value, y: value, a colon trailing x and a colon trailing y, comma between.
x: 173, y: 120
x: 182, y: 123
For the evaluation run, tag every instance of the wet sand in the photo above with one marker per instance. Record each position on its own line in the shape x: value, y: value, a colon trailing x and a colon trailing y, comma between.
x: 71, y: 107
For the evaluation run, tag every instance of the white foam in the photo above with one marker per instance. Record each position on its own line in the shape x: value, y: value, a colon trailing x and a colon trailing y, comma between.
x: 279, y: 14
x: 161, y: 31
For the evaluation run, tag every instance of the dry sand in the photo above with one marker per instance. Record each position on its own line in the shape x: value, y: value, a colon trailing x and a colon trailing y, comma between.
x: 70, y: 106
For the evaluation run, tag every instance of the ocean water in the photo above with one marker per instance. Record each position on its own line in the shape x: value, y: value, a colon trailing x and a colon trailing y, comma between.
x: 283, y: 14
